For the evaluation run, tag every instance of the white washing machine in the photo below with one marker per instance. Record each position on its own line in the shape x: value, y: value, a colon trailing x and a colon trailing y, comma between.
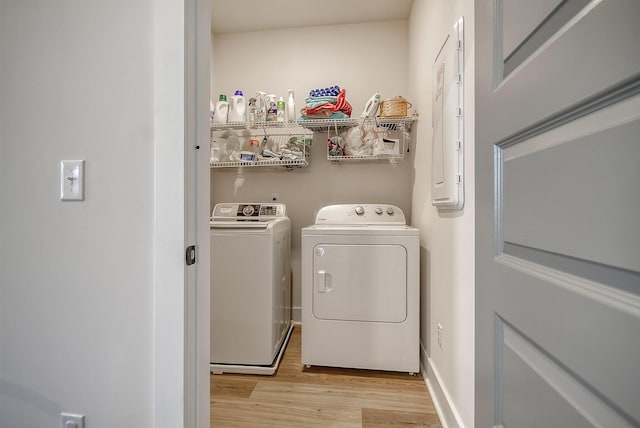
x: 360, y: 289
x: 250, y: 287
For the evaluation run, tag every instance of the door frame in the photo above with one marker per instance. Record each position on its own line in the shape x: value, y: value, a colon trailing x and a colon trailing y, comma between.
x: 181, y: 203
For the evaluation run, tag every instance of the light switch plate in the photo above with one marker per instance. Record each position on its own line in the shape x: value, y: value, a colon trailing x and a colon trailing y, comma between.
x: 72, y: 180
x: 69, y: 420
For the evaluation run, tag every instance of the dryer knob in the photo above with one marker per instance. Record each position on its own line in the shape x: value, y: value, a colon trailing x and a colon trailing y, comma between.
x: 379, y: 211
x: 360, y: 210
x: 390, y: 211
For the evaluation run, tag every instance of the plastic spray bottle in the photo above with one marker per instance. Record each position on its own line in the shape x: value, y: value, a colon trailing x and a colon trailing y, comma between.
x: 281, y: 110
x: 261, y: 106
x: 291, y: 107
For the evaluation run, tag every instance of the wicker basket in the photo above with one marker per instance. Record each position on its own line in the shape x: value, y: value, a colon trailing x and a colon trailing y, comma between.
x: 394, y: 107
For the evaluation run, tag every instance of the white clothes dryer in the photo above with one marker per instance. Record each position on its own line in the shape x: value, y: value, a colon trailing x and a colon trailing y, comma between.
x: 360, y: 289
x: 250, y: 287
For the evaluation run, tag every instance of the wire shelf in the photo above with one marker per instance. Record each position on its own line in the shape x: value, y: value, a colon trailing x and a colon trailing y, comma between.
x: 348, y: 158
x: 305, y: 129
x: 263, y: 128
x: 390, y: 141
x: 288, y: 164
x: 392, y: 123
x: 282, y: 135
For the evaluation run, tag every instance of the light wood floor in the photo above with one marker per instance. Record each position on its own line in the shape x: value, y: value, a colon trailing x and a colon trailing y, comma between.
x: 320, y: 397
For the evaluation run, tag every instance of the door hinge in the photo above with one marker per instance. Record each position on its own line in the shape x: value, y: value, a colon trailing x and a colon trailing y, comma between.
x: 190, y: 255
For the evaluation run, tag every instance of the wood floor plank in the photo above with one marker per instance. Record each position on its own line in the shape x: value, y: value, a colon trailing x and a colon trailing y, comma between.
x: 232, y: 387
x: 376, y: 418
x: 320, y: 397
x: 259, y: 413
x: 334, y: 396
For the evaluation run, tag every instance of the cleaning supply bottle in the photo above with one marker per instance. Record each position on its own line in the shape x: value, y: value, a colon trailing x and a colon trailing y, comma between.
x: 291, y: 107
x: 261, y: 106
x: 222, y: 110
x: 281, y: 110
x: 237, y: 108
x: 252, y: 111
x: 272, y: 108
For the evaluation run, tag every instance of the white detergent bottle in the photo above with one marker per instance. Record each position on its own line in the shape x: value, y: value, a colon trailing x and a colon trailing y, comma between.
x: 222, y: 110
x: 237, y: 108
x: 291, y: 107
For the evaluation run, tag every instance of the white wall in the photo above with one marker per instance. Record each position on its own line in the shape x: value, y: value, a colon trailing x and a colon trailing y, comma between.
x: 362, y: 58
x: 447, y: 268
x: 76, y: 278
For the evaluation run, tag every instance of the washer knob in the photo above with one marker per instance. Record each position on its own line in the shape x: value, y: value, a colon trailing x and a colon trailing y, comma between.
x: 248, y: 210
x: 390, y: 211
x: 360, y: 210
x: 379, y: 211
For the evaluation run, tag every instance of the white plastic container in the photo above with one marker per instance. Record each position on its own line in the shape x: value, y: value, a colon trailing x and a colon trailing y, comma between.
x: 291, y: 107
x: 237, y: 108
x: 281, y: 110
x: 261, y: 106
x: 272, y: 108
x: 222, y: 110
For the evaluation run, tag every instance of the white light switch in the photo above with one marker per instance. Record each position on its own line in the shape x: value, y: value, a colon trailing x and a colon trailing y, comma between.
x: 72, y: 180
x: 68, y: 420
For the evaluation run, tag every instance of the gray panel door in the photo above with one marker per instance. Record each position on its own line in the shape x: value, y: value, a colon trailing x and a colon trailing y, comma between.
x: 558, y: 213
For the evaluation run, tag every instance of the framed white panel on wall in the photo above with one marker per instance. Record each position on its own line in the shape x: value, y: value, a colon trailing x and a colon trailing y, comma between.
x: 447, y: 182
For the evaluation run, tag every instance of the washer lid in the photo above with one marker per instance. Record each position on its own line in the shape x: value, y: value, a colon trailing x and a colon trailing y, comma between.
x: 361, y: 214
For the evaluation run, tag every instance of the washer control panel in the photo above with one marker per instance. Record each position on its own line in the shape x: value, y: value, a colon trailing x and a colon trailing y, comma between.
x: 248, y: 212
x: 361, y: 214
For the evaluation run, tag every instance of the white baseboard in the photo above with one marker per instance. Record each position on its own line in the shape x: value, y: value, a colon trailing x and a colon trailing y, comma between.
x: 449, y: 417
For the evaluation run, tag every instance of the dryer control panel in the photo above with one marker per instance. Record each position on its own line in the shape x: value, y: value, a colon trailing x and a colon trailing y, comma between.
x: 361, y: 214
x: 248, y: 212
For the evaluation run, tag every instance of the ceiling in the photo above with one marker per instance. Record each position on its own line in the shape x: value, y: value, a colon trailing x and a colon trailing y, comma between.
x: 257, y: 15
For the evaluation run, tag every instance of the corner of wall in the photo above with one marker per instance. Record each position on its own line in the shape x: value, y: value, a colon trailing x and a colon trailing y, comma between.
x: 447, y: 270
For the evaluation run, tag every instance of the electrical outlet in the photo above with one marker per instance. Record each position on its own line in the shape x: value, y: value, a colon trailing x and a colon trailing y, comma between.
x: 440, y: 335
x: 275, y: 197
x: 70, y: 420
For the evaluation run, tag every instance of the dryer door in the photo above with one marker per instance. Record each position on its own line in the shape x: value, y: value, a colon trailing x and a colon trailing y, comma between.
x: 360, y: 282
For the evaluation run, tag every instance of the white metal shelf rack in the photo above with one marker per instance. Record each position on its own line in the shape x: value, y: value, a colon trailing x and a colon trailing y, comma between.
x: 392, y: 128
x: 279, y: 133
x: 282, y: 133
